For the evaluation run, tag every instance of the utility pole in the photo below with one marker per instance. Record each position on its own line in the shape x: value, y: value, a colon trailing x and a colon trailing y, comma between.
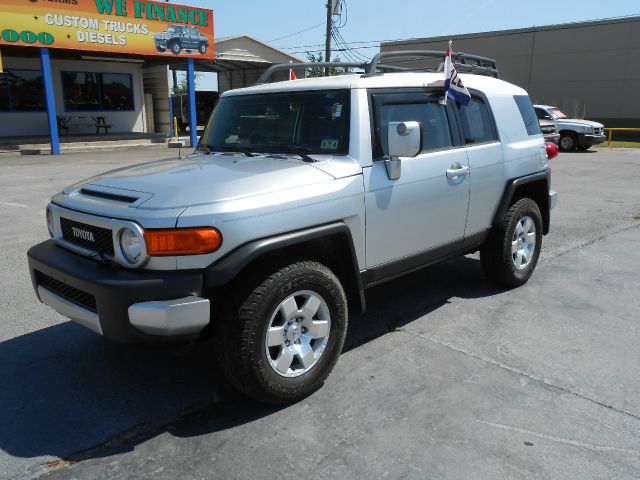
x: 327, y: 48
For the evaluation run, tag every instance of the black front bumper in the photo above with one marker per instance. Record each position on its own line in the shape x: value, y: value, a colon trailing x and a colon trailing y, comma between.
x: 108, y: 289
x: 588, y: 139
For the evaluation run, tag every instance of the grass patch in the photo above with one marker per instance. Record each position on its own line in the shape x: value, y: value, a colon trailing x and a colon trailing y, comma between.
x: 619, y: 144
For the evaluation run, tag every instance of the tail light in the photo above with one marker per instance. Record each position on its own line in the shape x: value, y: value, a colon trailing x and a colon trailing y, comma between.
x: 552, y: 150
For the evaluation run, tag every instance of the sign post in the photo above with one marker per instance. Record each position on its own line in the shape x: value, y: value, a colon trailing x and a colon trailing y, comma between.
x: 191, y: 89
x: 50, y: 100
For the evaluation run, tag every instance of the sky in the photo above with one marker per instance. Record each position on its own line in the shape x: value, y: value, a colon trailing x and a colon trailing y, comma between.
x: 298, y: 26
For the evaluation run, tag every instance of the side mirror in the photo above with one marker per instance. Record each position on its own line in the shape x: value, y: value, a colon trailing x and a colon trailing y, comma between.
x: 404, y: 140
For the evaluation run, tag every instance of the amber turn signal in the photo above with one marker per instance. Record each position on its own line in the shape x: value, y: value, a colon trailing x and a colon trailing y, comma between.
x: 182, y: 241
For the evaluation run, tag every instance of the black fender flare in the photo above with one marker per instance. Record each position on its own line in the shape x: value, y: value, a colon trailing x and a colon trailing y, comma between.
x: 513, y: 185
x: 228, y: 267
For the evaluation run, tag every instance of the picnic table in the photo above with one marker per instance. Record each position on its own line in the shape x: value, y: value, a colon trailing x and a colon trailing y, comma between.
x: 97, y: 121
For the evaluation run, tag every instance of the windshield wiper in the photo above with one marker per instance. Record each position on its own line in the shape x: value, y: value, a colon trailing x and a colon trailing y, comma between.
x: 238, y: 148
x: 206, y: 148
x: 295, y: 149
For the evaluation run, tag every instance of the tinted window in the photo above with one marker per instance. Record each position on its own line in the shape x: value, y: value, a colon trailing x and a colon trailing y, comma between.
x: 431, y: 116
x: 4, y: 92
x: 81, y: 91
x: 542, y: 115
x: 476, y: 122
x: 97, y: 91
x: 21, y: 90
x: 117, y: 92
x: 316, y: 121
x: 528, y: 115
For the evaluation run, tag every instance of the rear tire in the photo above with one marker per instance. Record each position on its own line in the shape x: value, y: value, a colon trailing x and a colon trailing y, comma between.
x: 279, y: 342
x: 511, y: 253
x: 175, y: 47
x: 202, y: 48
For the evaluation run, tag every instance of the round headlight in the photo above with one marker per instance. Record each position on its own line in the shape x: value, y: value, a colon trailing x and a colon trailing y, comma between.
x: 131, y: 245
x: 50, y: 226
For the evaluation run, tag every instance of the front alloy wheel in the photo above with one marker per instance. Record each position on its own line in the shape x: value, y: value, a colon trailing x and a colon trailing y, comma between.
x: 568, y: 142
x: 298, y: 333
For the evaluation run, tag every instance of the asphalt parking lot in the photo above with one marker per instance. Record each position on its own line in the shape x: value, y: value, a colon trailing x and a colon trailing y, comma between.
x: 444, y: 377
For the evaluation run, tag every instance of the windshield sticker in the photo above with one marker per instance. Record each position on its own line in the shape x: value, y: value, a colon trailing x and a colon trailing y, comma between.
x: 329, y: 144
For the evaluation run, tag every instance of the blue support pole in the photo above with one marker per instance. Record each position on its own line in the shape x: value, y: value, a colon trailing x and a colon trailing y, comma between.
x: 173, y: 134
x: 191, y: 88
x: 50, y: 100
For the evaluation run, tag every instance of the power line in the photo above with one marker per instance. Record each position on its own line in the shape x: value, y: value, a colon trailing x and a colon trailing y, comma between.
x: 296, y: 33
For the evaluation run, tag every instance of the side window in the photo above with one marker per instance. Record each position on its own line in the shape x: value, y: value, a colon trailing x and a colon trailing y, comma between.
x: 476, y: 122
x: 431, y: 116
x: 541, y: 114
x: 528, y: 114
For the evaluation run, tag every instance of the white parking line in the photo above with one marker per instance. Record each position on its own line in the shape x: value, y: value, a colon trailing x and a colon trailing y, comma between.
x: 12, y: 204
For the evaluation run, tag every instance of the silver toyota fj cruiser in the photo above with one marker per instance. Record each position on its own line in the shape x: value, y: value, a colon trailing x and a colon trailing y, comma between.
x: 300, y: 196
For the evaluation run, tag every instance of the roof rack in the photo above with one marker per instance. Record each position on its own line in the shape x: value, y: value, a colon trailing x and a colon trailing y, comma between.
x: 463, y: 62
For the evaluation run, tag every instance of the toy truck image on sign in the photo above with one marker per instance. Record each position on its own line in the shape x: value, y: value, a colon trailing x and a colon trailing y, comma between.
x: 117, y: 26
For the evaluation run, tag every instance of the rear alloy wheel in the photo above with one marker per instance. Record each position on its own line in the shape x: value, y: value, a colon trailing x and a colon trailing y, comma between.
x: 511, y: 253
x: 281, y: 340
x: 568, y: 141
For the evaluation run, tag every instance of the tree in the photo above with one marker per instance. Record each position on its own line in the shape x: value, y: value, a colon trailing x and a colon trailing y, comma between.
x: 319, y: 71
x: 182, y: 85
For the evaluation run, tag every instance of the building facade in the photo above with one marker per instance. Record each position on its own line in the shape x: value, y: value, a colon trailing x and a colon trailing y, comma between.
x: 588, y: 69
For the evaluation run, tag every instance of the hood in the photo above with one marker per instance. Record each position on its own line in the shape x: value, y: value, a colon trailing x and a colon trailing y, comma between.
x: 201, y: 179
x: 578, y: 121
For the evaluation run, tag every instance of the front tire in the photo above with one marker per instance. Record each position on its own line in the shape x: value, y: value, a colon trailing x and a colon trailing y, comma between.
x: 281, y: 340
x: 568, y: 141
x: 511, y: 253
x: 202, y: 48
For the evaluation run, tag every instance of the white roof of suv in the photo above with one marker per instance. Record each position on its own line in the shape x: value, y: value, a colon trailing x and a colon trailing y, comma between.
x: 485, y: 84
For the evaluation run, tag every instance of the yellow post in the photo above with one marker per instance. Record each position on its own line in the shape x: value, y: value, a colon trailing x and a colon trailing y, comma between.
x: 610, y: 132
x: 175, y: 127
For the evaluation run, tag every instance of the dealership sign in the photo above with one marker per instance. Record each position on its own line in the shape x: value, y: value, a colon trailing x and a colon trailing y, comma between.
x: 140, y: 27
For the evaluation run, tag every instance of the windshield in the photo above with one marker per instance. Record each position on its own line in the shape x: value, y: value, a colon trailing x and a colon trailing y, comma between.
x: 557, y: 113
x: 311, y: 122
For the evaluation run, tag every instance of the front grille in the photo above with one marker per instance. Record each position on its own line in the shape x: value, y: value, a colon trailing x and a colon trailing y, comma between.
x: 93, y: 238
x: 548, y: 129
x: 83, y: 299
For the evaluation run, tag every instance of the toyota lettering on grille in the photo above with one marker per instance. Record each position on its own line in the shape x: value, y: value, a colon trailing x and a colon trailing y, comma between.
x: 83, y: 234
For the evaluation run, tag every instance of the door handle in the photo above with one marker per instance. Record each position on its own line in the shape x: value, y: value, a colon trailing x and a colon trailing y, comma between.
x: 457, y: 170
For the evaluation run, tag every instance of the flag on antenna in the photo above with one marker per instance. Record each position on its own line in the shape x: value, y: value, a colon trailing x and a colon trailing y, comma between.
x: 453, y: 86
x: 292, y: 74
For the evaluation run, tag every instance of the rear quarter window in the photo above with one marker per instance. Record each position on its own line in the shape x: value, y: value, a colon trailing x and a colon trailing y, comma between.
x: 528, y: 114
x: 476, y: 122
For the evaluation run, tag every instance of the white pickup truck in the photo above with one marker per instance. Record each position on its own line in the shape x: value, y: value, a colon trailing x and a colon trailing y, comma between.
x: 574, y: 133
